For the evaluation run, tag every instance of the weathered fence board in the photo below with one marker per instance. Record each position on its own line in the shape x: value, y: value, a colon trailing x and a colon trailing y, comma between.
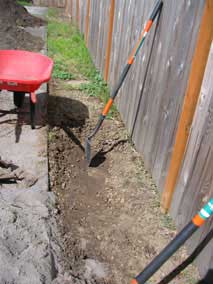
x: 154, y: 123
x: 82, y: 16
x: 195, y: 184
x: 68, y: 8
x: 74, y: 11
x: 198, y: 65
x: 165, y: 85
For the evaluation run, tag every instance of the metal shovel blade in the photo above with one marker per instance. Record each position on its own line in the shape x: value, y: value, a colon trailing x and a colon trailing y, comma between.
x: 88, y: 150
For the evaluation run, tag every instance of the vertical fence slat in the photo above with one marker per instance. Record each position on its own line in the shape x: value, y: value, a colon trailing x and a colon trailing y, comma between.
x: 190, y: 101
x: 87, y: 22
x: 109, y: 39
x: 77, y: 14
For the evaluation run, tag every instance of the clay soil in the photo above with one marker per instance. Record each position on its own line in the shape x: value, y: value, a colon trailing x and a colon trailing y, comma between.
x: 109, y: 213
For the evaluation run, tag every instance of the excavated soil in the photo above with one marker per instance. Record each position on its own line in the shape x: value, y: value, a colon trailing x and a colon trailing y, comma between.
x: 13, y: 20
x: 109, y: 213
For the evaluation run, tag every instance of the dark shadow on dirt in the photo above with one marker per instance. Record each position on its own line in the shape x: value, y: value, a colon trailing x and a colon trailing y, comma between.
x: 208, y: 279
x: 99, y: 158
x: 73, y: 137
x: 62, y: 112
x: 66, y: 112
x: 189, y: 260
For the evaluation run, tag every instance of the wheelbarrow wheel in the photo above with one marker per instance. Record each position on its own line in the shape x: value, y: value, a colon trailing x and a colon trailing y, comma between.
x: 18, y: 99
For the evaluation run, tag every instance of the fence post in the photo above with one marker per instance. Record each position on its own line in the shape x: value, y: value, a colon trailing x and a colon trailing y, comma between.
x: 109, y: 39
x: 199, y: 61
x: 87, y: 22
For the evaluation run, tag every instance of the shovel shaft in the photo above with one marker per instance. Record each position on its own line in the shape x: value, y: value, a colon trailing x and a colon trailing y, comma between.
x: 97, y: 127
x: 175, y: 244
x: 124, y: 73
x: 132, y: 57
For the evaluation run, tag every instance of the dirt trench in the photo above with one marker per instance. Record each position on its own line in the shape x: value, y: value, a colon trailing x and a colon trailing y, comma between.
x: 109, y: 213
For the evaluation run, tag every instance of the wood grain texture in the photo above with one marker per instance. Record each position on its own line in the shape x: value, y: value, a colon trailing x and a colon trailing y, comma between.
x: 195, y: 183
x: 68, y: 8
x: 151, y: 99
x: 197, y: 70
x: 109, y: 39
x: 164, y: 83
x: 77, y: 14
x: 87, y: 22
x: 74, y: 12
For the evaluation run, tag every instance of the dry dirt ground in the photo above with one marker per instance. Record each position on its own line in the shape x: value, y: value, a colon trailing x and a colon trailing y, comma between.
x: 109, y: 213
x: 13, y: 20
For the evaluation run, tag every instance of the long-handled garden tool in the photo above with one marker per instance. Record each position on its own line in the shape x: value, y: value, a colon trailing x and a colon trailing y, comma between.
x: 132, y: 57
x: 198, y: 220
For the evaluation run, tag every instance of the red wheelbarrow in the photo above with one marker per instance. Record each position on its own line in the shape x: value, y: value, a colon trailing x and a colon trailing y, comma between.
x: 23, y: 72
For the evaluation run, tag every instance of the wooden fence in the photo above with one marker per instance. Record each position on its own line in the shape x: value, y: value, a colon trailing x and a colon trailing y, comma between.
x: 195, y: 183
x: 159, y: 97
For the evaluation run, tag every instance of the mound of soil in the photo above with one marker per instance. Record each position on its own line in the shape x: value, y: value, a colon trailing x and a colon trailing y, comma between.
x: 13, y: 19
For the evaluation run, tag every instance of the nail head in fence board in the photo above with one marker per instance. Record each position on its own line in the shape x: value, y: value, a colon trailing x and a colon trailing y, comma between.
x: 190, y: 101
x: 87, y: 21
x: 109, y: 40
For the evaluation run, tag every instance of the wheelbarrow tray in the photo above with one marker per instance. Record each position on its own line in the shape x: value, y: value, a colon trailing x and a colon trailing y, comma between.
x: 23, y: 71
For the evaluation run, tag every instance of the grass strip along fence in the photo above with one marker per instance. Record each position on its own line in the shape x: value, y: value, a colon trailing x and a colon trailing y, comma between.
x: 66, y: 46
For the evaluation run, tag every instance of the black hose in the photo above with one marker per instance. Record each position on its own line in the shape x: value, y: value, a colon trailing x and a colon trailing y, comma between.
x: 166, y: 253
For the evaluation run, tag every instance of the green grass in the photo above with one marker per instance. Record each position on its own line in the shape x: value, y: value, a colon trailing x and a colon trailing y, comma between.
x: 72, y: 59
x: 24, y: 3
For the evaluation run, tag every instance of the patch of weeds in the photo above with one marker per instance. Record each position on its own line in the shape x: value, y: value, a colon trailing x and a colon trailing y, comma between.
x: 65, y: 44
x: 72, y: 60
x: 188, y: 277
x: 51, y: 136
x: 52, y: 13
x: 98, y: 88
x: 24, y: 3
x: 167, y: 222
x: 60, y: 71
x: 72, y: 87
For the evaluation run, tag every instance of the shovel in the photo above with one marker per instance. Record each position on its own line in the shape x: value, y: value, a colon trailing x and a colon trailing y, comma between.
x: 132, y: 57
